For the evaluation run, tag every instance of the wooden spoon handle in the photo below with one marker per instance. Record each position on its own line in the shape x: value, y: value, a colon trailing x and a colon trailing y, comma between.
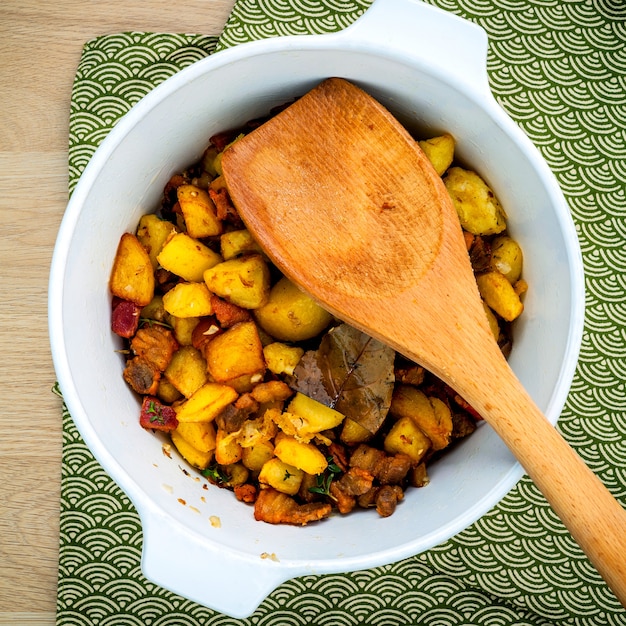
x: 594, y: 518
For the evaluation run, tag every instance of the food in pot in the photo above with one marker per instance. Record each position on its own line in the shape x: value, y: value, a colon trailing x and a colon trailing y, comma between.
x: 262, y: 390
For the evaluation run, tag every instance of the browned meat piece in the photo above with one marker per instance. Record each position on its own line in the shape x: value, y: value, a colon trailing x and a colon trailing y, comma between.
x: 393, y: 469
x: 155, y: 344
x: 368, y: 499
x: 410, y: 374
x: 205, y: 330
x: 387, y: 499
x: 228, y: 314
x: 355, y: 482
x: 142, y: 376
x: 343, y: 501
x: 234, y: 415
x: 245, y: 493
x: 367, y: 458
x: 418, y: 476
x: 224, y: 207
x: 157, y: 416
x: 274, y: 507
x: 462, y: 425
x: 340, y: 455
x: 480, y: 254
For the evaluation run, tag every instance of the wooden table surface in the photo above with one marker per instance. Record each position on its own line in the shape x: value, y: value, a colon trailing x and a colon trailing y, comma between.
x: 40, y: 46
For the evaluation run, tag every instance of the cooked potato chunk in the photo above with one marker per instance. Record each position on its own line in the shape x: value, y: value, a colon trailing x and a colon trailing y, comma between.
x: 187, y: 370
x: 193, y: 456
x: 281, y: 358
x: 290, y: 314
x: 507, y: 258
x: 183, y: 329
x: 199, y: 212
x: 206, y: 403
x: 200, y: 435
x: 304, y: 456
x: 500, y: 295
x: 132, y: 276
x: 282, y: 476
x: 478, y: 208
x: 255, y: 456
x: 188, y: 300
x: 186, y: 257
x: 353, y: 432
x: 244, y: 281
x: 153, y: 233
x: 406, y: 438
x: 314, y: 416
x: 440, y: 151
x: 430, y: 415
x: 235, y: 353
x: 238, y: 242
x: 227, y: 448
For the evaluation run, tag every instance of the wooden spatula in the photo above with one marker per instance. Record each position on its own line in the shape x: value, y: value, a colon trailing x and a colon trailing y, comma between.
x: 349, y: 208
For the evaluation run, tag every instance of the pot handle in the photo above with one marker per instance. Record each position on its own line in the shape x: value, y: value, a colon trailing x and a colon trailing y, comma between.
x: 447, y: 43
x: 172, y: 559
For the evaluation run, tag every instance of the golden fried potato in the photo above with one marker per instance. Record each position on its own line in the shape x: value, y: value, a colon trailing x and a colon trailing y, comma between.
x: 244, y: 281
x: 193, y: 456
x: 406, y: 438
x: 187, y: 257
x: 282, y: 476
x: 290, y: 314
x: 440, y: 151
x: 199, y: 212
x: 200, y: 435
x: 429, y: 414
x: 235, y: 353
x: 153, y: 233
x: 187, y: 370
x: 132, y: 276
x: 281, y: 358
x: 507, y: 257
x: 238, y: 242
x: 305, y: 456
x: 500, y: 295
x: 478, y: 208
x: 188, y: 300
x: 206, y: 403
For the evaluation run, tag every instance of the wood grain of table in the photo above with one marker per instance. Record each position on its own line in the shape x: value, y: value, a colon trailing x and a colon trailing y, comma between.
x: 40, y: 46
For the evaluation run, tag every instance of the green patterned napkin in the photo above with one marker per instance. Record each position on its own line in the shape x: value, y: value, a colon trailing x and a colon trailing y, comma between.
x: 559, y: 69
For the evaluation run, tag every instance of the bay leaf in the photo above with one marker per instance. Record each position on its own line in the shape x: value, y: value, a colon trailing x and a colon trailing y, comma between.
x: 358, y: 374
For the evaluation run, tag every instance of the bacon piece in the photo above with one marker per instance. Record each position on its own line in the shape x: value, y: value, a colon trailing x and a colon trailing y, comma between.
x: 228, y: 314
x: 274, y: 507
x: 125, y: 318
x: 157, y: 416
x: 155, y: 344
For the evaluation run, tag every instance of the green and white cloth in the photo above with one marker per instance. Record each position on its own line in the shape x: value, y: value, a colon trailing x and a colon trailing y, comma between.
x: 559, y: 69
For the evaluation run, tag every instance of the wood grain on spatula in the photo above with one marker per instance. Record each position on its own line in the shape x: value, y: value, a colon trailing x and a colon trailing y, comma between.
x: 348, y: 207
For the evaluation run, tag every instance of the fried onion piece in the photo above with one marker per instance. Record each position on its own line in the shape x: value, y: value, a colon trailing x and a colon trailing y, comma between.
x: 274, y: 507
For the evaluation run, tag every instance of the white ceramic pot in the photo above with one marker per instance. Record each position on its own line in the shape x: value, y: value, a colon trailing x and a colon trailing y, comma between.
x: 429, y: 68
